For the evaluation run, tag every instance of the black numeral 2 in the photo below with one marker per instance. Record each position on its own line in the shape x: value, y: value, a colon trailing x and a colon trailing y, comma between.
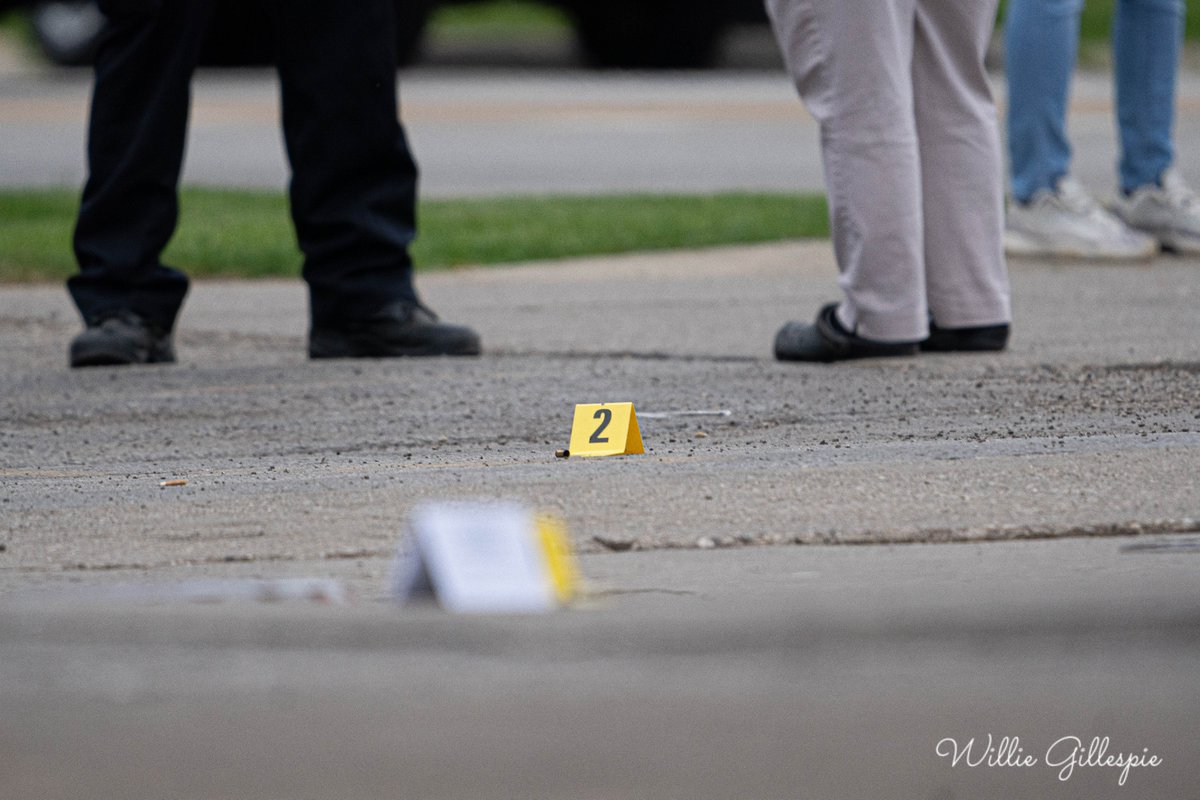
x: 605, y: 416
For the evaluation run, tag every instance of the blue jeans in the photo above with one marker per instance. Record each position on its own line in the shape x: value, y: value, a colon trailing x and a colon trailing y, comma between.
x: 1041, y: 42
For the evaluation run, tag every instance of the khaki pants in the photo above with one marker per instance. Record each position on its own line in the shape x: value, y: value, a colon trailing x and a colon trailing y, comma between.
x: 911, y: 152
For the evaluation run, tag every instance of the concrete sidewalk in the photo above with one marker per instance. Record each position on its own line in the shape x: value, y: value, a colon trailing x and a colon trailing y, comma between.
x: 754, y: 673
x: 733, y: 644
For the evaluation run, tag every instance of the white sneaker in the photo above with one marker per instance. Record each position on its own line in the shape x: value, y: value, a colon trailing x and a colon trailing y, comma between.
x: 1170, y: 213
x: 1068, y: 222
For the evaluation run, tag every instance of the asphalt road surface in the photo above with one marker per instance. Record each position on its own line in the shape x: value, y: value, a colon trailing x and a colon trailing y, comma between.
x: 815, y: 593
x: 1031, y: 525
x: 489, y: 131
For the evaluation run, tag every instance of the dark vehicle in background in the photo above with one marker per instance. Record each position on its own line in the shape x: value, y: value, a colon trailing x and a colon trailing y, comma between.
x: 67, y: 32
x: 656, y: 34
x: 635, y: 34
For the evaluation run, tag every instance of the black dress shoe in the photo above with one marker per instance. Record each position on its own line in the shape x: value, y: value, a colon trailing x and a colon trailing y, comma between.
x: 970, y: 340
x: 825, y: 340
x: 121, y: 337
x: 400, y: 329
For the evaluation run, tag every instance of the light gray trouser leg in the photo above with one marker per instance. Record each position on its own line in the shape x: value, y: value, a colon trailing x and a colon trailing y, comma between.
x: 911, y: 150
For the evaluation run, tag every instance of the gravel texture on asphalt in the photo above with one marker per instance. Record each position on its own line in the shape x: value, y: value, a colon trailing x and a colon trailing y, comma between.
x: 1089, y: 426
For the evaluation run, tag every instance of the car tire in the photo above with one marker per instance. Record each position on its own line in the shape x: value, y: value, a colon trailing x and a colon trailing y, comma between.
x: 68, y: 31
x: 648, y: 34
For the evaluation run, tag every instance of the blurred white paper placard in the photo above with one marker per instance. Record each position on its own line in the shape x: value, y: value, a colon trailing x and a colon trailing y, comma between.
x: 475, y: 558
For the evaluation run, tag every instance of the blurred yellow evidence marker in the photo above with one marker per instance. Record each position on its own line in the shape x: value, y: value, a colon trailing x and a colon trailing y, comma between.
x: 560, y: 557
x: 486, y: 558
x: 605, y: 429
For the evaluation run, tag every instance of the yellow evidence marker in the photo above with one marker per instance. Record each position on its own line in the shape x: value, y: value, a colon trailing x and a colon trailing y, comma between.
x: 565, y: 576
x: 605, y: 429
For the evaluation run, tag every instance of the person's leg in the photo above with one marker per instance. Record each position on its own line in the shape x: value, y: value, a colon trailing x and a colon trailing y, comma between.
x: 961, y: 171
x: 135, y: 149
x: 354, y: 183
x: 1147, y: 35
x: 851, y: 61
x: 1041, y: 40
x: 1154, y: 199
x: 1053, y: 215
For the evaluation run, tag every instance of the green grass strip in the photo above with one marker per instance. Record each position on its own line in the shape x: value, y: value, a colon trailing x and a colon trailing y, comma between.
x: 498, y: 20
x: 244, y: 234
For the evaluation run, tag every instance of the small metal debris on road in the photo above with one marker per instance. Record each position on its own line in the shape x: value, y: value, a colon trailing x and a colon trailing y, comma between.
x: 712, y: 412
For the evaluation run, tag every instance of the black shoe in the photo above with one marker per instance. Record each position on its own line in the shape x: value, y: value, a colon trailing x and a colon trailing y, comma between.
x: 826, y: 340
x: 401, y: 329
x: 121, y: 337
x: 970, y: 340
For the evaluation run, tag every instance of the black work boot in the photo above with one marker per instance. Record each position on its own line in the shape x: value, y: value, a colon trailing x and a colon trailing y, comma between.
x: 121, y: 337
x: 403, y: 328
x: 826, y: 340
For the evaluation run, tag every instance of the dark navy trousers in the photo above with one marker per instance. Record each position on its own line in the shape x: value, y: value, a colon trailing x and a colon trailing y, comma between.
x: 353, y: 184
